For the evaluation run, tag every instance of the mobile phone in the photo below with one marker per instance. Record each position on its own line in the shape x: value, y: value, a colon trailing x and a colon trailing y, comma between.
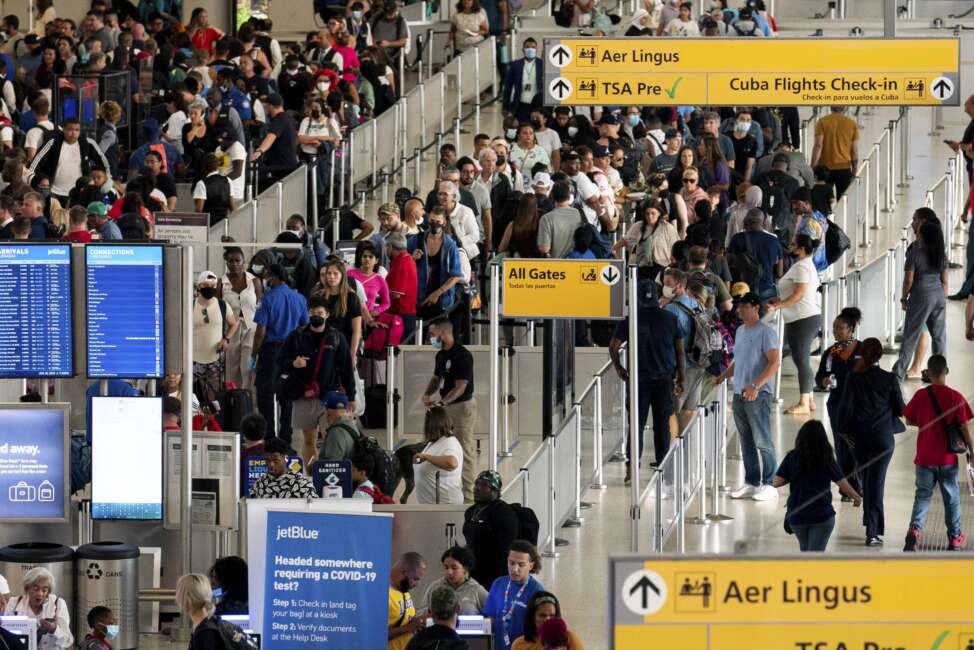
x: 949, y: 143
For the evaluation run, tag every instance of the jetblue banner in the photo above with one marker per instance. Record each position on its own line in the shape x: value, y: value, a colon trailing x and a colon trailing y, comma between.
x: 32, y: 467
x: 326, y: 581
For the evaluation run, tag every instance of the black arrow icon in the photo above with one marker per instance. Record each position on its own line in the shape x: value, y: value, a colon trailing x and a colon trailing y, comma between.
x: 645, y: 584
x: 561, y: 54
x: 610, y: 274
x: 561, y: 89
x: 942, y: 88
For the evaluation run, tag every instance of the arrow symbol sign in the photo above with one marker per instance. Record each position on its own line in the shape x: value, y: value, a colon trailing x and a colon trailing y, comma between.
x: 942, y: 88
x: 560, y: 88
x: 644, y: 585
x: 561, y: 56
x: 610, y: 275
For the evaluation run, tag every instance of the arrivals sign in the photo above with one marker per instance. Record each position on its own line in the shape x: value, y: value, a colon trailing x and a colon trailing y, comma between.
x: 550, y: 288
x: 752, y: 71
x: 807, y: 603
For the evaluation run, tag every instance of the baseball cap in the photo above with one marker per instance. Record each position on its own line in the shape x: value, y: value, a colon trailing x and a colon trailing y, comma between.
x: 802, y: 194
x: 570, y: 155
x: 739, y: 289
x: 608, y: 118
x: 97, y: 207
x: 206, y: 276
x: 274, y: 99
x: 600, y: 151
x: 492, y: 478
x: 336, y: 399
x: 672, y: 133
x: 750, y: 298
x: 542, y: 180
x: 388, y: 208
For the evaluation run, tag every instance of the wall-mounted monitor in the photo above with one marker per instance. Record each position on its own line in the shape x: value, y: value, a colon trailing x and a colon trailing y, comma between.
x: 125, y: 311
x: 34, y: 467
x: 35, y: 310
x: 126, y: 458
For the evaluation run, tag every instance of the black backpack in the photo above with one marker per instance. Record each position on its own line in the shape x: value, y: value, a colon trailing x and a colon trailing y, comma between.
x: 528, y: 524
x: 774, y: 202
x: 744, y: 267
x: 232, y: 636
x: 385, y: 474
x: 836, y: 242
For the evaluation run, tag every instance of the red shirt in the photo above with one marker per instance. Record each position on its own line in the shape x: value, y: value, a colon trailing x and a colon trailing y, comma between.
x: 116, y: 210
x: 932, y: 441
x: 82, y: 237
x: 203, y: 39
x: 402, y: 278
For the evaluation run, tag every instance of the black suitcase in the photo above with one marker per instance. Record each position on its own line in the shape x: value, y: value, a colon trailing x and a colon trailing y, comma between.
x: 375, y: 407
x: 235, y: 405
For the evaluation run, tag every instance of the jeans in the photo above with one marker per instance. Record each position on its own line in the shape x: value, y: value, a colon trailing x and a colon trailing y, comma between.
x: 814, y: 537
x: 264, y: 383
x: 799, y: 335
x: 753, y: 420
x: 927, y: 477
x: 658, y: 395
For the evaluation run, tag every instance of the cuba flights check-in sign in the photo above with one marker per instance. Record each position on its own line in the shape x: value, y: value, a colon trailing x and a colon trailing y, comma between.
x: 919, y: 602
x: 752, y: 71
x: 549, y: 288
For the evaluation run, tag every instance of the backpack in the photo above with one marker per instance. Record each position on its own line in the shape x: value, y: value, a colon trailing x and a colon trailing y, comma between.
x: 744, y: 267
x: 708, y: 349
x: 836, y: 242
x: 233, y: 637
x: 774, y: 201
x: 385, y: 475
x: 528, y: 524
x: 741, y: 32
x: 601, y: 247
x: 377, y: 495
x: 380, y: 337
x: 706, y: 279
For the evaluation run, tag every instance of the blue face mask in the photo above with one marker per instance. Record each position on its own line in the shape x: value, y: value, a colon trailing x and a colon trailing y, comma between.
x: 111, y: 631
x: 217, y: 593
x: 436, y: 343
x: 634, y: 120
x: 530, y: 53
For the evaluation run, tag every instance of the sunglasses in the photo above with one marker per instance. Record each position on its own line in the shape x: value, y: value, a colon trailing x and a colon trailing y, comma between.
x: 206, y: 317
x: 689, y: 180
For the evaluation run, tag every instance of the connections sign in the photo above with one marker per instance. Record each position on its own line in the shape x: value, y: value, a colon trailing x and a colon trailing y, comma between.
x: 741, y: 603
x: 752, y: 71
x: 547, y: 288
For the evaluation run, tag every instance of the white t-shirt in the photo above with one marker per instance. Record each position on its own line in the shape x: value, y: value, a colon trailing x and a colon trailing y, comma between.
x: 234, y: 153
x: 586, y: 190
x: 451, y: 487
x: 313, y: 129
x: 549, y: 140
x: 801, y: 272
x: 35, y: 136
x: 677, y: 27
x: 68, y: 169
x: 174, y: 129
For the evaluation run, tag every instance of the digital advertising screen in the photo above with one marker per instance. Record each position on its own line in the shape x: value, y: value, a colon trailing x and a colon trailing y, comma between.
x: 126, y: 458
x: 35, y: 311
x: 34, y: 476
x: 125, y: 311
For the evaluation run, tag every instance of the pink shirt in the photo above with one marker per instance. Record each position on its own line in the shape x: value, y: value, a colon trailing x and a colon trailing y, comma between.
x: 376, y: 290
x: 349, y: 60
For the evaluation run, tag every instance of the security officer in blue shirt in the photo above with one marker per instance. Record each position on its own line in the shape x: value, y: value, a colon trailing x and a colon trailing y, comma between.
x: 281, y: 311
x: 233, y: 96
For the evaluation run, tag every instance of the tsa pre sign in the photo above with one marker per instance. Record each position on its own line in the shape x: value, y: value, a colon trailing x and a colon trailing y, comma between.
x: 326, y: 580
x: 546, y: 288
x: 862, y: 603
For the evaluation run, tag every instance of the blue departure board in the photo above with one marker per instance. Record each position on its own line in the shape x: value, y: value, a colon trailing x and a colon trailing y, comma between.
x: 125, y: 311
x: 35, y: 311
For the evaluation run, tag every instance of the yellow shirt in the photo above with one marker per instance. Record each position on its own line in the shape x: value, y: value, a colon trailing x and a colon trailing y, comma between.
x: 838, y: 132
x: 574, y: 643
x: 401, y: 610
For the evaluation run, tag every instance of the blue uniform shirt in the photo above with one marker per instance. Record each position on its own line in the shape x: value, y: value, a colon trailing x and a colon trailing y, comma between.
x: 281, y: 311
x: 507, y: 605
x: 240, y: 101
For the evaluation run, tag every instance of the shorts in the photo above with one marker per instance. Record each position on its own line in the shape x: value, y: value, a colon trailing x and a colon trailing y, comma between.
x: 693, y: 386
x: 308, y: 414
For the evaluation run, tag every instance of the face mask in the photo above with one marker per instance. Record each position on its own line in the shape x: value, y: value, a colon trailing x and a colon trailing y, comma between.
x: 668, y: 292
x: 208, y: 292
x: 633, y: 120
x: 44, y: 191
x: 111, y: 631
x: 315, y: 114
x: 572, y: 131
x: 530, y: 53
x: 435, y: 227
x: 357, y: 15
x: 536, y: 125
x: 511, y: 134
x: 217, y: 593
x: 293, y: 69
x: 257, y: 268
x: 501, y: 161
x: 316, y: 321
x: 403, y: 585
x: 436, y: 343
x: 742, y: 127
x: 323, y: 87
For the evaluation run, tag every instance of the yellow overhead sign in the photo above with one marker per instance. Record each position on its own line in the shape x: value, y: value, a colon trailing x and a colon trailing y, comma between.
x: 753, y: 71
x: 547, y: 288
x: 808, y: 603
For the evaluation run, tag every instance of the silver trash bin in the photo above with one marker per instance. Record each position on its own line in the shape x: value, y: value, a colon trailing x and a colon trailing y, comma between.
x: 107, y: 574
x: 17, y: 559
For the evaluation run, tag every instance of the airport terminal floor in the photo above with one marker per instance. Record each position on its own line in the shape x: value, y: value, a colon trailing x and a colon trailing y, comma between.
x: 614, y: 554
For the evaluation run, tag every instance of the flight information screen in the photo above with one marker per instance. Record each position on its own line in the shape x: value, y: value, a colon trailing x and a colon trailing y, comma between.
x: 35, y: 311
x: 125, y: 311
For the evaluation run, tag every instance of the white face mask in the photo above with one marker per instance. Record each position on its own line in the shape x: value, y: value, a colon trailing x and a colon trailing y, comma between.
x: 742, y: 127
x: 511, y: 134
x: 668, y: 292
x: 572, y: 131
x: 323, y: 86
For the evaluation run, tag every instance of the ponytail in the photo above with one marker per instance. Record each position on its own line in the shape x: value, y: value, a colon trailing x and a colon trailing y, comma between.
x: 872, y: 352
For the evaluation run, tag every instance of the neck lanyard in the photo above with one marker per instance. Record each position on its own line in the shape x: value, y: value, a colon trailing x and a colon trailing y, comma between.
x: 509, y: 613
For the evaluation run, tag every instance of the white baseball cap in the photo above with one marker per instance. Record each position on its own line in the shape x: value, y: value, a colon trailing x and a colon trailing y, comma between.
x: 542, y: 180
x: 206, y: 276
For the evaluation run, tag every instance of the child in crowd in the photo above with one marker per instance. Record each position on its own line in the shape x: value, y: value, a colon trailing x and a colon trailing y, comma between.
x: 362, y: 466
x: 583, y: 244
x: 104, y: 628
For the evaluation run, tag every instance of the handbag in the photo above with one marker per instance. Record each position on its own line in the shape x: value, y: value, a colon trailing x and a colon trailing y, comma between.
x: 311, y: 389
x: 952, y: 430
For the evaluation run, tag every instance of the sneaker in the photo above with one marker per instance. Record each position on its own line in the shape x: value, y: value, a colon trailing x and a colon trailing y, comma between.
x: 874, y: 541
x: 912, y: 539
x: 765, y: 493
x: 958, y: 543
x: 743, y: 492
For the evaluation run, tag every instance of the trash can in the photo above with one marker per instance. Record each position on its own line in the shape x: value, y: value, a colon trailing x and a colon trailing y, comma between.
x: 17, y: 559
x: 107, y: 574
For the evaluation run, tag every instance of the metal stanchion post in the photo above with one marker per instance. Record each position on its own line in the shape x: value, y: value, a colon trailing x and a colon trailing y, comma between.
x: 340, y: 157
x: 459, y: 116
x: 826, y: 316
x: 332, y: 199
x: 904, y: 128
x: 186, y: 462
x: 391, y: 354
x: 552, y: 543
x: 877, y: 170
x: 780, y: 329
x: 424, y: 125
x: 864, y: 216
x: 456, y: 130
x: 717, y: 445
x: 417, y: 161
x: 577, y: 517
x: 634, y: 433
x: 495, y: 302
x: 375, y: 154
x: 700, y: 432
x: 493, y: 67
x: 679, y: 492
x: 476, y: 92
x: 350, y: 149
x: 313, y: 173
x: 505, y: 449
x: 891, y: 304
x: 598, y: 483
x: 253, y: 218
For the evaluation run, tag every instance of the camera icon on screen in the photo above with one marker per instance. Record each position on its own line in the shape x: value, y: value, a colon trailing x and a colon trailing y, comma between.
x: 22, y: 493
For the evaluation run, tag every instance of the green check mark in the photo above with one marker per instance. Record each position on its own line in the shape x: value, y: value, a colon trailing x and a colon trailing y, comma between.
x: 672, y: 91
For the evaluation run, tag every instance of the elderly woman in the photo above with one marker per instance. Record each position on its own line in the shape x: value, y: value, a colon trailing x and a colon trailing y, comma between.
x: 195, y: 599
x: 40, y: 602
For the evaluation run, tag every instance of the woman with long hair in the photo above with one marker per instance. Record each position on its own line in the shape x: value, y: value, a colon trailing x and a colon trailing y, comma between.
x: 833, y: 371
x: 45, y: 13
x: 712, y: 160
x: 365, y: 273
x: 344, y: 307
x: 526, y: 153
x: 468, y: 26
x: 194, y: 596
x: 650, y: 239
x: 521, y: 234
x: 543, y: 606
x: 201, y: 33
x: 869, y: 414
x: 438, y: 465
x: 924, y: 295
x: 810, y: 469
x: 457, y: 562
x: 687, y: 158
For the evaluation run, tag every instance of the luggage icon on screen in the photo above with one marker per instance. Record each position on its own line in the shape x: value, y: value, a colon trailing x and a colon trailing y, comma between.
x: 45, y: 491
x: 21, y: 492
